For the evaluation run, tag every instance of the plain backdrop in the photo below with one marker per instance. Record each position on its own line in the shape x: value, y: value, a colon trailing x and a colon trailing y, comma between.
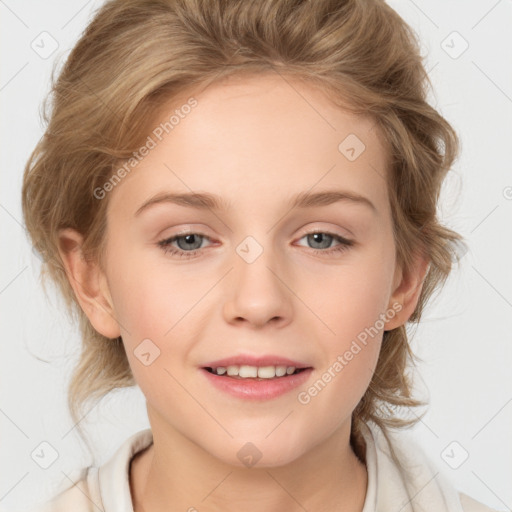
x: 465, y: 338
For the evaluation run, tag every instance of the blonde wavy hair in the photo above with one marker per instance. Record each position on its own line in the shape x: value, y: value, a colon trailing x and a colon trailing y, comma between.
x: 136, y: 55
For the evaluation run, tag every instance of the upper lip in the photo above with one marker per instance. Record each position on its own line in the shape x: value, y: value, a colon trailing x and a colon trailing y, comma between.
x: 251, y: 360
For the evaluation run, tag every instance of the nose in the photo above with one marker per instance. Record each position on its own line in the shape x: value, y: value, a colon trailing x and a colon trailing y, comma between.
x: 258, y: 293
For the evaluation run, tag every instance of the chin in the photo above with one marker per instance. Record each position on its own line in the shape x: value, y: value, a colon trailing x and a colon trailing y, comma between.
x: 257, y: 454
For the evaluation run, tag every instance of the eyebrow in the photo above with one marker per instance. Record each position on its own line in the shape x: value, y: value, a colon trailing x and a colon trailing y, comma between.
x: 204, y: 201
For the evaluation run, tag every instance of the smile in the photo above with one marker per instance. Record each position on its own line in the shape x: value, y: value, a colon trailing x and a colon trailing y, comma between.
x: 259, y: 372
x: 252, y: 386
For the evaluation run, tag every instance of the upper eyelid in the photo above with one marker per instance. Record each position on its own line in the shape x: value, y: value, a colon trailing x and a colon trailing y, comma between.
x: 313, y: 231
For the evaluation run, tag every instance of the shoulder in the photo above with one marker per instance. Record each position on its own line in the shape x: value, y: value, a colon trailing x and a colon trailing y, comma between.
x: 105, y: 488
x: 76, y: 497
x: 398, y: 468
x: 471, y: 505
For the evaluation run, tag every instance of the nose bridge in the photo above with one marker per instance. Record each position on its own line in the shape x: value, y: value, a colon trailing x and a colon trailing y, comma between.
x: 258, y: 293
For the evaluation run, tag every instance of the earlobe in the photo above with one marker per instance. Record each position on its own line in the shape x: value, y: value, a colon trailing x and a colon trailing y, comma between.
x: 407, y: 290
x: 89, y: 284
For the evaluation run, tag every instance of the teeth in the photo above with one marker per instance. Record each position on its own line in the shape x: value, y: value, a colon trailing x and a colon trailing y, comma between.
x: 246, y: 371
x: 281, y: 370
x: 267, y: 372
x: 233, y: 370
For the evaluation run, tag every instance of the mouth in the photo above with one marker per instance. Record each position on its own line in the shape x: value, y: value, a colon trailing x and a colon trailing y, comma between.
x: 256, y: 378
x: 255, y: 372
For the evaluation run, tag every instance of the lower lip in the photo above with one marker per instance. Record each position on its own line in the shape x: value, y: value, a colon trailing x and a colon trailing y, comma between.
x: 254, y: 389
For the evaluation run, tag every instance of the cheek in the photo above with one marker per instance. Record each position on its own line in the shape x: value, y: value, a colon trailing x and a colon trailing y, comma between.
x: 354, y: 295
x: 149, y: 300
x: 350, y: 351
x: 352, y: 303
x: 159, y: 312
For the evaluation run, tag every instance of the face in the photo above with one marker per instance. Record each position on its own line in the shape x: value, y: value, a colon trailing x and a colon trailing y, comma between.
x: 258, y: 278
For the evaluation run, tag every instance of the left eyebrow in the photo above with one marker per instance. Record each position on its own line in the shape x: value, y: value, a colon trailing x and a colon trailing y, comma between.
x: 203, y: 201
x: 196, y: 200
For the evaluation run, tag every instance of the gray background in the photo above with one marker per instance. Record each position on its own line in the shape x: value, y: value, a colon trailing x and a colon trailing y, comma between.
x: 465, y: 339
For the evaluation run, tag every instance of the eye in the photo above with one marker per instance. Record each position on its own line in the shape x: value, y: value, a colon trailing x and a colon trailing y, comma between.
x: 189, y: 244
x: 324, y: 240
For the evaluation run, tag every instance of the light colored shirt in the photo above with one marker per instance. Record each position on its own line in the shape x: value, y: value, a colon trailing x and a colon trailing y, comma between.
x: 416, y: 485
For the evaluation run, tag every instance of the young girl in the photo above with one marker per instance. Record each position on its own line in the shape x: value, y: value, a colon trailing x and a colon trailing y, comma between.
x: 238, y: 199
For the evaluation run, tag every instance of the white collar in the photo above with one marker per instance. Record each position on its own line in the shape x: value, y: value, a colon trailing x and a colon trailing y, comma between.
x: 418, y: 487
x: 114, y: 476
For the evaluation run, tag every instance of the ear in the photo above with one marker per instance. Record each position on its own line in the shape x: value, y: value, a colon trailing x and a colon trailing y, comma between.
x: 89, y: 284
x: 406, y: 291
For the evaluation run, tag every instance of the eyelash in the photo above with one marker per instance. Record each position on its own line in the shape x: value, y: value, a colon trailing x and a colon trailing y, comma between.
x: 165, y: 245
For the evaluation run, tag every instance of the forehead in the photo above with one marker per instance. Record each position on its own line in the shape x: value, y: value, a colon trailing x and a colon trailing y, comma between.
x: 273, y: 108
x: 255, y: 137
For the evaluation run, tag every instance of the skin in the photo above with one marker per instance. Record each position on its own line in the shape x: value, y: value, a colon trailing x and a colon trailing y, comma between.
x: 256, y: 141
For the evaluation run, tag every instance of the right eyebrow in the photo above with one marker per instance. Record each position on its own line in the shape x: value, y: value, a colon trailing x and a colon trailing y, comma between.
x: 206, y: 201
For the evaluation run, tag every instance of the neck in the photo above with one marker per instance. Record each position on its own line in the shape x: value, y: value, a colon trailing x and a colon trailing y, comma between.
x: 175, y: 474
